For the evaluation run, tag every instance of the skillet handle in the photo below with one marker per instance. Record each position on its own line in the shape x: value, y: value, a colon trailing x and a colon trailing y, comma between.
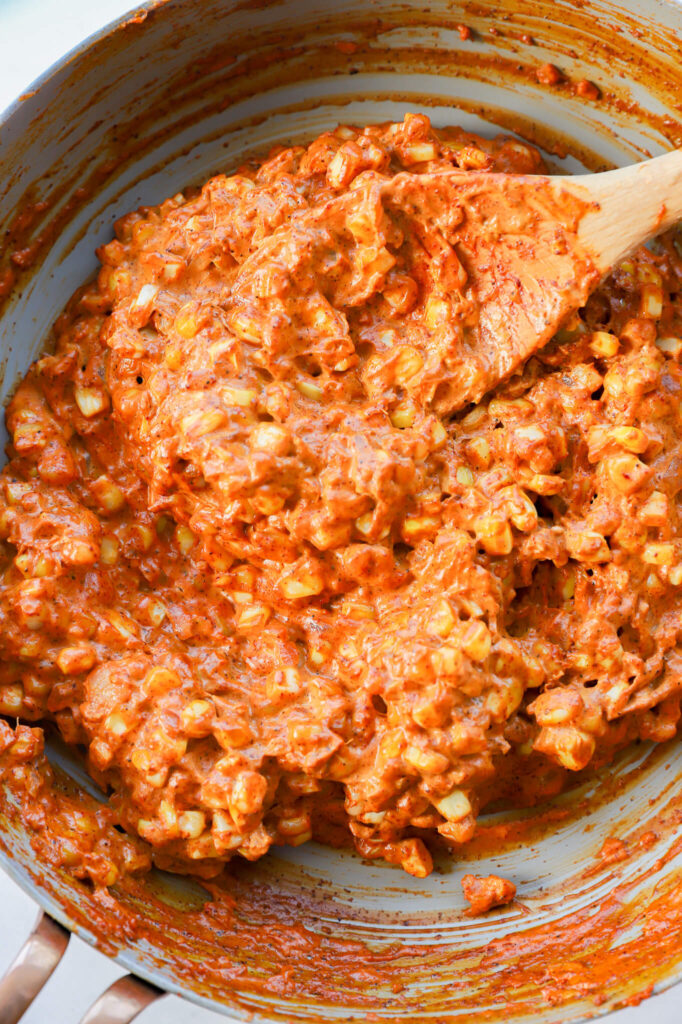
x: 121, y: 1002
x: 32, y: 967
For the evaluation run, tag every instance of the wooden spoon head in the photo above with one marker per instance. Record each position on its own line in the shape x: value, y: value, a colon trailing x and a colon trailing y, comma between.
x: 524, y: 268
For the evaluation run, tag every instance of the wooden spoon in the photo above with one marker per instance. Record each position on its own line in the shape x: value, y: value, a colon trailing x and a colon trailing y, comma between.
x: 633, y: 204
x: 534, y: 247
x: 501, y: 261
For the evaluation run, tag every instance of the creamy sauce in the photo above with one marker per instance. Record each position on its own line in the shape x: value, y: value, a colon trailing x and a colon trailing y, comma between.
x: 262, y: 573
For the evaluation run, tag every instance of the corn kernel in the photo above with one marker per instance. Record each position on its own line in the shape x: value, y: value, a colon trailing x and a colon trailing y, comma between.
x: 37, y: 620
x: 408, y: 363
x: 85, y: 824
x: 29, y: 437
x: 32, y: 648
x: 652, y: 301
x: 455, y: 806
x: 75, y: 660
x: 116, y: 724
x: 494, y: 534
x: 438, y: 435
x: 141, y: 759
x: 520, y: 508
x: 185, y: 539
x: 568, y: 587
x: 361, y: 225
x: 160, y: 681
x: 446, y: 661
x: 671, y: 346
x: 471, y: 158
x: 442, y: 620
x: 186, y: 323
x: 363, y: 524
x: 429, y: 762
x: 380, y: 265
x: 223, y: 829
x: 248, y: 791
x: 142, y: 232
x: 142, y: 306
x: 675, y: 575
x: 271, y: 437
x: 172, y: 357
x: 123, y: 625
x: 342, y: 168
x: 243, y: 398
x: 648, y: 274
x: 283, y: 684
x: 109, y: 551
x: 23, y: 563
x: 36, y: 687
x: 11, y: 699
x: 156, y: 613
x: 197, y: 718
x: 574, y: 747
x: 553, y: 713
x: 144, y: 536
x: 503, y: 703
x: 500, y: 408
x: 14, y: 492
x: 475, y: 417
x: 305, y: 584
x: 205, y: 421
x: 544, y: 483
x: 631, y: 438
x: 655, y: 510
x: 110, y: 876
x: 587, y: 546
x: 403, y: 416
x: 659, y: 554
x: 478, y: 452
x: 191, y: 824
x: 164, y: 527
x: 79, y: 552
x: 604, y: 344
x: 418, y: 152
x: 476, y: 642
x: 436, y: 311
x: 109, y: 495
x: 414, y: 858
x: 253, y: 616
x: 294, y: 825
x: 427, y: 714
x: 627, y: 473
x: 168, y: 817
x: 309, y: 390
x: 655, y: 585
x: 354, y: 609
x: 268, y: 504
x: 91, y: 401
x: 402, y: 296
x: 416, y: 527
x: 172, y: 270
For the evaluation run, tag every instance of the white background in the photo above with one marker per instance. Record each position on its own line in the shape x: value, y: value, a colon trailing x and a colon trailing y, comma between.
x: 34, y: 34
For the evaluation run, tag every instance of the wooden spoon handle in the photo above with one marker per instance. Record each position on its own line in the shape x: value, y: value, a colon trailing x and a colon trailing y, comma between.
x: 633, y: 204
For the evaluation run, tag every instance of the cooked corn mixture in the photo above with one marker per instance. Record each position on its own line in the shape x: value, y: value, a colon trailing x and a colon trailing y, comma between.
x: 288, y: 550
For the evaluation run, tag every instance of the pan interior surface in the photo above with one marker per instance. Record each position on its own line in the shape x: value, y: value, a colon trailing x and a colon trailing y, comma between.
x: 313, y: 933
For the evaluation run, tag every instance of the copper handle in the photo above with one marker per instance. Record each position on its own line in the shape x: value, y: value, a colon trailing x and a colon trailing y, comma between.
x: 121, y: 1003
x: 26, y: 976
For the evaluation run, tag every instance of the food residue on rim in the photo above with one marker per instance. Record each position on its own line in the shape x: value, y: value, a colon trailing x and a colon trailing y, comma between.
x: 484, y: 893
